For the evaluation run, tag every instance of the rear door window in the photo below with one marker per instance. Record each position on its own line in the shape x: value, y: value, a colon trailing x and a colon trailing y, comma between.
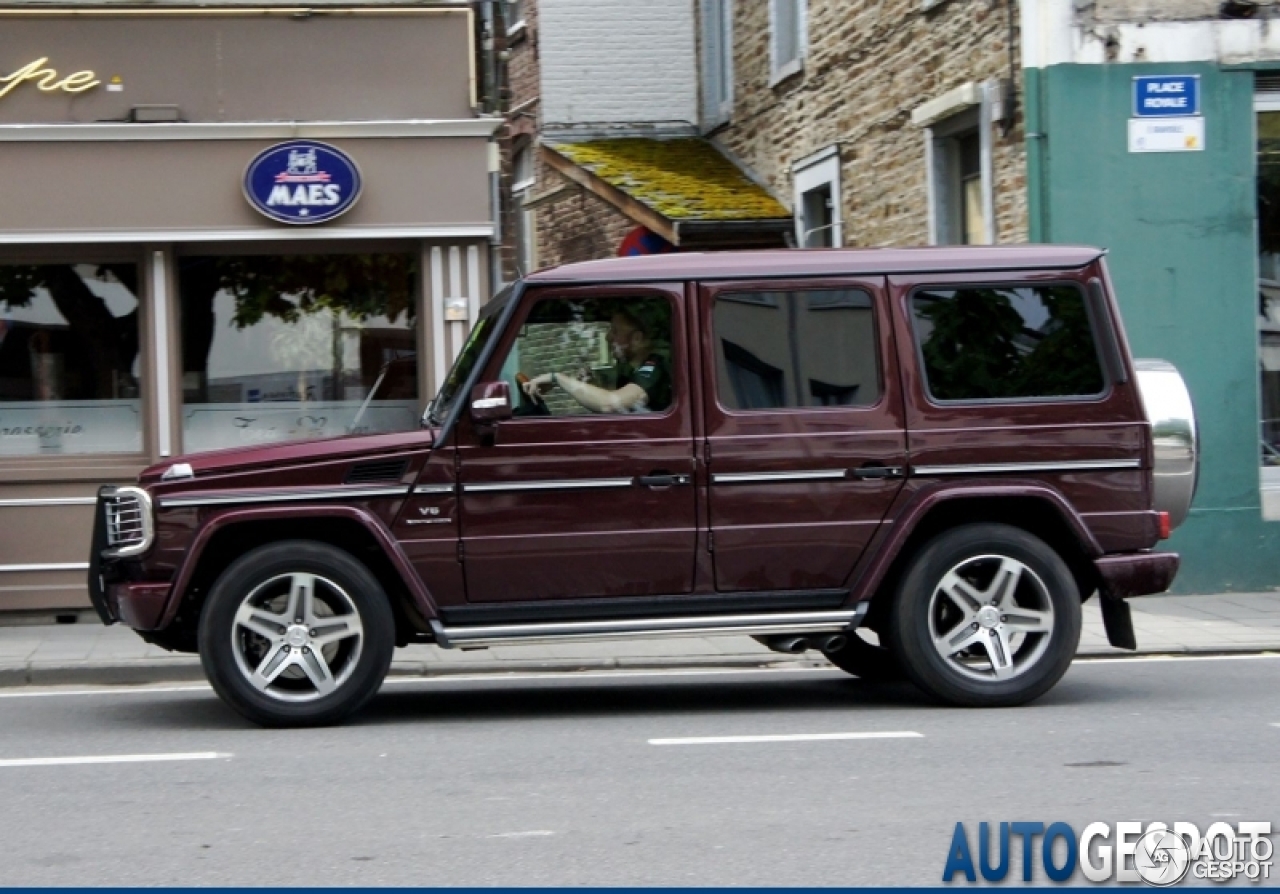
x: 802, y: 348
x: 1006, y: 342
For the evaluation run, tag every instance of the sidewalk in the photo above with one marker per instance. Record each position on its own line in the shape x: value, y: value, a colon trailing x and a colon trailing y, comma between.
x: 87, y: 653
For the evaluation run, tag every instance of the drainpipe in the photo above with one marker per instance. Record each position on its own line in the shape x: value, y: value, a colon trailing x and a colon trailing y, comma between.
x: 489, y: 105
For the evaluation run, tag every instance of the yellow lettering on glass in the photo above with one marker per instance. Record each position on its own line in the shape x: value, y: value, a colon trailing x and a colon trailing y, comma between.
x: 46, y: 79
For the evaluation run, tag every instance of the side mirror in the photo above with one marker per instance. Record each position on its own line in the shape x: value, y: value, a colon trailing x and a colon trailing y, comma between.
x: 490, y: 403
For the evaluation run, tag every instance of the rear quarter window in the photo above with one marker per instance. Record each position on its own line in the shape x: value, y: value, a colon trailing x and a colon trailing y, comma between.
x: 1011, y: 342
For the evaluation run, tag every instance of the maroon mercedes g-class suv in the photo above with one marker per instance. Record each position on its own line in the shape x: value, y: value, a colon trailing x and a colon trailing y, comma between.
x: 917, y: 461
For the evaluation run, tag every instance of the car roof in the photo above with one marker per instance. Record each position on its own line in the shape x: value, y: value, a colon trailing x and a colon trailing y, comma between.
x: 787, y: 263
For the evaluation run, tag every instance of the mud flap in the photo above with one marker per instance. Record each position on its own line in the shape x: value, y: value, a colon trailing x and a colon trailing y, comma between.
x: 1118, y: 621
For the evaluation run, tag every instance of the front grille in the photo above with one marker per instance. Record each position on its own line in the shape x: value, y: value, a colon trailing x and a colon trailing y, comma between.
x: 130, y: 531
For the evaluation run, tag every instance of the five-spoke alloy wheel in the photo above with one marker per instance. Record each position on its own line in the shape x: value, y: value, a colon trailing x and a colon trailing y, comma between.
x: 296, y: 633
x: 986, y: 615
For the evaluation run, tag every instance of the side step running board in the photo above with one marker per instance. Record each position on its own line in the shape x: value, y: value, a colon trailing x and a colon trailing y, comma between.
x: 471, y: 636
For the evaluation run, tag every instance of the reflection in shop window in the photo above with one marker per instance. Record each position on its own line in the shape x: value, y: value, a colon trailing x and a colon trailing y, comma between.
x: 281, y: 348
x: 1269, y: 310
x: 69, y: 364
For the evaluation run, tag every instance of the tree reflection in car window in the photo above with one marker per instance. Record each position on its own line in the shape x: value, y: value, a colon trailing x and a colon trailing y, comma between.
x: 1006, y: 342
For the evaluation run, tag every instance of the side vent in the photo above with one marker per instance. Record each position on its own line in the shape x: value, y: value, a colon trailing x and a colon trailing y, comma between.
x: 377, y: 470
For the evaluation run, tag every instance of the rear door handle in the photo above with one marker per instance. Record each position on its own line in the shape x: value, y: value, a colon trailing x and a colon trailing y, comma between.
x: 662, y: 479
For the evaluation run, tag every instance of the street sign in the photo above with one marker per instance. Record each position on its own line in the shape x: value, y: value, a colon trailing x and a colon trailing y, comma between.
x: 1166, y: 134
x: 1166, y: 96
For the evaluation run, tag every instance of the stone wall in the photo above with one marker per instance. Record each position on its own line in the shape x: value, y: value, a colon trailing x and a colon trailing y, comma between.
x: 869, y: 64
x: 1118, y: 11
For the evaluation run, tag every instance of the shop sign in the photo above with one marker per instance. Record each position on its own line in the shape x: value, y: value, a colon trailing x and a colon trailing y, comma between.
x: 302, y: 182
x: 47, y: 80
x: 215, y: 426
x: 31, y: 428
x: 1166, y: 134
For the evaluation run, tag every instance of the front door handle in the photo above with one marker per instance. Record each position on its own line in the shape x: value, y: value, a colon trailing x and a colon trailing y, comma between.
x: 662, y: 479
x: 876, y: 471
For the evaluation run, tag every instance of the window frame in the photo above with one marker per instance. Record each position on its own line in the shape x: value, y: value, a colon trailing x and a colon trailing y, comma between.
x: 526, y: 231
x: 942, y: 167
x: 716, y: 70
x: 781, y: 69
x: 812, y: 172
x: 732, y: 290
x: 1096, y: 331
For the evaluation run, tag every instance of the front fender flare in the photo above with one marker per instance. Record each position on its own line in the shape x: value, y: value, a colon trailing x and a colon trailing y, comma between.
x: 421, y: 596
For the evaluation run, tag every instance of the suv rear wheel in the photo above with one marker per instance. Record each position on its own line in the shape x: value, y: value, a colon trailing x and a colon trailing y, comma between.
x: 987, y: 615
x: 296, y: 633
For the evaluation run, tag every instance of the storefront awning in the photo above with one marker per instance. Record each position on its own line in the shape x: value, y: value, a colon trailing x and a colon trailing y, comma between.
x: 683, y: 189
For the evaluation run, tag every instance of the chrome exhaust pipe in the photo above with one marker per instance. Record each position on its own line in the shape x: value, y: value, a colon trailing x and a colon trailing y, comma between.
x: 831, y: 642
x: 788, y: 645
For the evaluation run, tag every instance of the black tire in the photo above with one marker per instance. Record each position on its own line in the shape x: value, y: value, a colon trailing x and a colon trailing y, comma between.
x: 307, y: 674
x: 1005, y: 597
x: 865, y: 660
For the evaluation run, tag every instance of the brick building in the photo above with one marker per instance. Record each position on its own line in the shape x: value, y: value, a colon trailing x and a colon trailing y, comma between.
x: 867, y: 122
x: 603, y: 140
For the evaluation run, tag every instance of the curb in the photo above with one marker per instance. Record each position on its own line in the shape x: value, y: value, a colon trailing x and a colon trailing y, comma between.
x: 141, y: 672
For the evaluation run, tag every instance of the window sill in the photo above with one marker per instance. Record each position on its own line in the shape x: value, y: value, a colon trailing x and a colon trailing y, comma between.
x: 786, y: 72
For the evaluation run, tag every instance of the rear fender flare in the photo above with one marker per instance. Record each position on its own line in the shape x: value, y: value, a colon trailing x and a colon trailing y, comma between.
x: 418, y: 591
x: 888, y: 544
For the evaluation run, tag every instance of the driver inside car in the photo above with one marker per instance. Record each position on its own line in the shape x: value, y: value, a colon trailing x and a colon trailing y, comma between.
x: 642, y: 373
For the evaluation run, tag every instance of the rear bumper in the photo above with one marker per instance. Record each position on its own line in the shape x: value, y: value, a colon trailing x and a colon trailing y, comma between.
x: 1124, y: 576
x: 1136, y: 574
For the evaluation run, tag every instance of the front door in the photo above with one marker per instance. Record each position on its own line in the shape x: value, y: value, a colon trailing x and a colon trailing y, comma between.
x: 805, y: 436
x: 588, y: 491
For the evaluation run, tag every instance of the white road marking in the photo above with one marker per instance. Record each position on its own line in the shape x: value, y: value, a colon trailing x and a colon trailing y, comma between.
x: 536, y: 833
x: 112, y: 759
x: 798, y: 737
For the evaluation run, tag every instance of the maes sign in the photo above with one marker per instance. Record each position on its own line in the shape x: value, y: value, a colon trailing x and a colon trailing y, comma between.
x: 302, y: 182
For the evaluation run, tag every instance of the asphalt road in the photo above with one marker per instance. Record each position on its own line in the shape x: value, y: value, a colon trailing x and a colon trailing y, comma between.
x: 555, y: 780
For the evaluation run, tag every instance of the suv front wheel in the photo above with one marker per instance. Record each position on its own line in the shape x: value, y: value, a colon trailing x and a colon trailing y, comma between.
x: 986, y: 615
x: 296, y: 633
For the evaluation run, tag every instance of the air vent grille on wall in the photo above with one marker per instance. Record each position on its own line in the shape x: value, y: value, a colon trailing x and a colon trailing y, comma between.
x: 377, y: 470
x: 1268, y: 83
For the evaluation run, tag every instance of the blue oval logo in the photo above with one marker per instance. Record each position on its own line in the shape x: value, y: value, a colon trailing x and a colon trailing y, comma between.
x: 302, y: 182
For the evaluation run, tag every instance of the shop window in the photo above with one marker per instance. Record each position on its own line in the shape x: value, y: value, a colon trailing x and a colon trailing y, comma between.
x: 787, y: 38
x: 608, y: 355
x: 278, y: 348
x: 717, y: 61
x: 69, y: 359
x: 1268, y: 105
x: 778, y: 350
x: 816, y: 182
x: 1006, y: 342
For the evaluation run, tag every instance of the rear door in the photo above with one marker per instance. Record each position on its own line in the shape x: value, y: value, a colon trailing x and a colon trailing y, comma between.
x: 564, y: 503
x: 805, y: 434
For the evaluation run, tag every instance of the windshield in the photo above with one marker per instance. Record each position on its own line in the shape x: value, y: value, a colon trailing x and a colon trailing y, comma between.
x: 467, y: 359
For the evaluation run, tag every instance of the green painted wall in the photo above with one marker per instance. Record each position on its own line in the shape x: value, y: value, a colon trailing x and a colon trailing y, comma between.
x: 1180, y: 229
